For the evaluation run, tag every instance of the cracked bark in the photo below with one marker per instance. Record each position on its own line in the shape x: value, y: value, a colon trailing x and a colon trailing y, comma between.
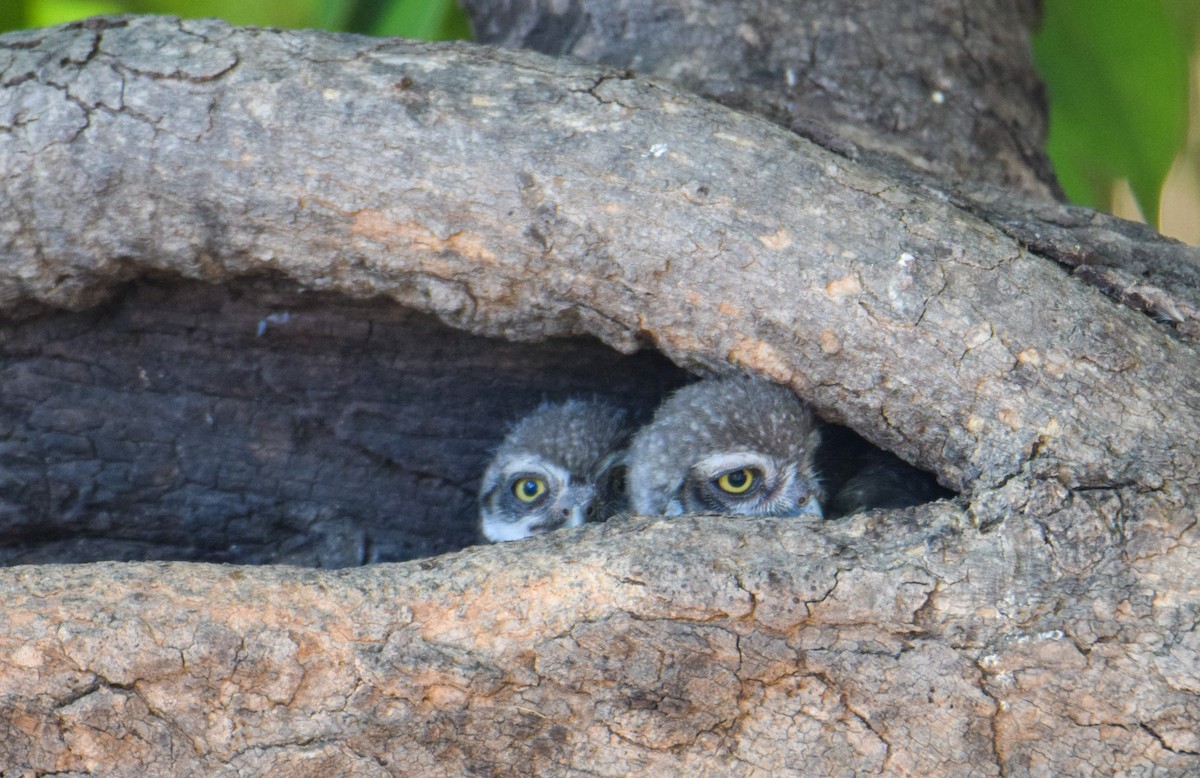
x: 172, y: 189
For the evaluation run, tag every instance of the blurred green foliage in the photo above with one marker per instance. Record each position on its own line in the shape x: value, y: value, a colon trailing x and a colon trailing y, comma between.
x: 1116, y: 70
x: 430, y: 20
x: 424, y: 19
x: 12, y: 15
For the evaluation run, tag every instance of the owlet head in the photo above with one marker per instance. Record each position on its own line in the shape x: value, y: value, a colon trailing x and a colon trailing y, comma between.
x: 558, y: 467
x: 737, y: 446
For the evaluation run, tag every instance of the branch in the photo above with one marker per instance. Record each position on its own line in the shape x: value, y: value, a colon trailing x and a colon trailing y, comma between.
x: 946, y: 99
x: 642, y: 647
x: 949, y: 90
x: 522, y: 197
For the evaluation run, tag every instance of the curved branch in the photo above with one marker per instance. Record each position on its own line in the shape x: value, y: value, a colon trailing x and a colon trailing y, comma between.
x: 948, y: 88
x: 522, y: 197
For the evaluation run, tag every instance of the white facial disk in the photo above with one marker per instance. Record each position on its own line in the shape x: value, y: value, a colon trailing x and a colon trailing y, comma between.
x: 531, y: 496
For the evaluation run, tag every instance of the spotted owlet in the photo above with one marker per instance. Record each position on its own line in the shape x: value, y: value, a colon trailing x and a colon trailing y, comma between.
x: 738, y: 446
x: 559, y: 466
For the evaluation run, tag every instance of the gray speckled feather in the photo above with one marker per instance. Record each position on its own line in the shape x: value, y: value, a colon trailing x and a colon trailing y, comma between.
x: 717, y: 421
x: 575, y: 434
x: 574, y: 449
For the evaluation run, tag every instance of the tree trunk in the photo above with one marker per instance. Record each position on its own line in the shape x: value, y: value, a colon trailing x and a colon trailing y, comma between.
x: 206, y: 232
x: 948, y: 88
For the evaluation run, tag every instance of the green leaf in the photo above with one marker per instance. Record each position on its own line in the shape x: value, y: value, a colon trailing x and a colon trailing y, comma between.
x: 333, y: 14
x: 1117, y: 76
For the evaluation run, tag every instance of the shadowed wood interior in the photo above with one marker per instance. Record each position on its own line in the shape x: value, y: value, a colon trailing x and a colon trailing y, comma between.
x: 257, y: 423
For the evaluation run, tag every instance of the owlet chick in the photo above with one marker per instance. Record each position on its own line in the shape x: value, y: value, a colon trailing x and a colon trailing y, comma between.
x: 558, y: 467
x: 739, y: 446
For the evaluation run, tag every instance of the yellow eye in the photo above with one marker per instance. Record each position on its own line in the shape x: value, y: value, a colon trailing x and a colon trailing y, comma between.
x: 737, y: 481
x: 528, y: 489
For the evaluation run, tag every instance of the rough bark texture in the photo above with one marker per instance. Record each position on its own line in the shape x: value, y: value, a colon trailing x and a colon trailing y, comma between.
x: 614, y: 209
x: 946, y: 86
x: 884, y: 645
x: 1045, y: 623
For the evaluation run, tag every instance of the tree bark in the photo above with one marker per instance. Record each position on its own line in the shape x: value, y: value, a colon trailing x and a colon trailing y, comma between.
x: 887, y: 644
x: 1045, y: 622
x: 947, y: 88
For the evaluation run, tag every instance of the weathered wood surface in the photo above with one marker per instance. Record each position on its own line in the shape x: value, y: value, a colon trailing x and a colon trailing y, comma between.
x: 517, y: 196
x: 1044, y: 624
x: 946, y: 87
x: 886, y: 645
x: 940, y: 94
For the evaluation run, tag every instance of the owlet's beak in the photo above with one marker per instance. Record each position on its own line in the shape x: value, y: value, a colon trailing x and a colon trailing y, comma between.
x: 573, y: 505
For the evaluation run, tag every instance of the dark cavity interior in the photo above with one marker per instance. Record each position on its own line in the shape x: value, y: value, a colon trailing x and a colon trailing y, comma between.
x: 256, y: 423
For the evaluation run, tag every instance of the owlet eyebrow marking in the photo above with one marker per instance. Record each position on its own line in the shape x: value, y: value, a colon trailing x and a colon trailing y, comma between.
x: 738, y: 446
x: 559, y: 466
